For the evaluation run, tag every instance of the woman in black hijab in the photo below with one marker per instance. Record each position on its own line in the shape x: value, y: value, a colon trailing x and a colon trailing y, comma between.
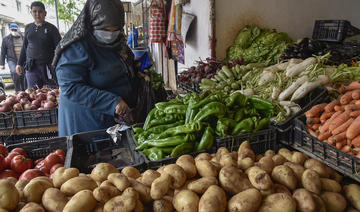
x: 94, y: 69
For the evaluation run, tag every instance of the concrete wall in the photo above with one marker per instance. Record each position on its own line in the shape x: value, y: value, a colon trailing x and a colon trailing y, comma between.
x: 296, y: 17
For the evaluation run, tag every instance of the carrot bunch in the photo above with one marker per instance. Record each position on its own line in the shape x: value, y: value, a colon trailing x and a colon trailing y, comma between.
x: 338, y: 122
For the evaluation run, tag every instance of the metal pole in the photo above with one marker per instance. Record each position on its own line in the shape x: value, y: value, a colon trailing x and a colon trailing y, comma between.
x: 57, y: 15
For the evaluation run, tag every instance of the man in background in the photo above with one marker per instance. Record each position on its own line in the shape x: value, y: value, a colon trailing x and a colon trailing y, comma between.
x: 132, y: 41
x: 10, y: 49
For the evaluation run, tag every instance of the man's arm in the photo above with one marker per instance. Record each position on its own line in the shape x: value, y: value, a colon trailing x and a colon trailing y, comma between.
x: 22, y: 57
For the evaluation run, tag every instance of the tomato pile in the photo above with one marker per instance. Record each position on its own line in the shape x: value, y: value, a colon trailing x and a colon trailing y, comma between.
x: 16, y: 164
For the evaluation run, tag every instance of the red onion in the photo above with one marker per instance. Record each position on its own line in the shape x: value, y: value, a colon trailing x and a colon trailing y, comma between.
x: 36, y: 102
x: 24, y: 101
x: 41, y: 96
x: 30, y: 90
x: 50, y: 97
x: 49, y: 105
x: 17, y: 107
x: 2, y: 97
x: 5, y: 107
x: 27, y: 106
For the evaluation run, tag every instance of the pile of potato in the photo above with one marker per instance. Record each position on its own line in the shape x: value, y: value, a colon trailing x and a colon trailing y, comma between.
x: 226, y: 181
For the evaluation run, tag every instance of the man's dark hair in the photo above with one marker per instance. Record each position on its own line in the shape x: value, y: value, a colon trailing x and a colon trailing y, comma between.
x: 37, y: 4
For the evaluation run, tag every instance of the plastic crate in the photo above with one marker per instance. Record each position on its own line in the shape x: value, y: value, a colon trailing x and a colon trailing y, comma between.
x: 40, y: 149
x: 260, y: 141
x: 27, y: 138
x: 36, y: 118
x: 333, y: 30
x: 6, y: 121
x: 331, y: 156
x: 85, y: 150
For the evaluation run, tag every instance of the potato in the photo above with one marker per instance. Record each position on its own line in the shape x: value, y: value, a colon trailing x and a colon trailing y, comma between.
x: 83, y: 201
x: 269, y: 153
x: 216, y: 165
x: 265, y: 193
x: 334, y: 202
x: 161, y: 169
x: 149, y: 176
x: 352, y: 193
x: 227, y: 160
x: 12, y: 180
x: 160, y: 186
x: 214, y: 199
x: 336, y: 176
x: 76, y: 184
x: 278, y: 188
x: 259, y: 178
x: 348, y: 210
x: 278, y: 160
x: 106, y: 183
x: 186, y: 201
x: 139, y: 206
x: 203, y: 156
x: 199, y: 186
x: 32, y: 207
x: 245, y: 163
x: 244, y: 153
x: 35, y: 189
x: 234, y: 155
x: 9, y: 196
x: 330, y: 185
x: 206, y: 168
x: 20, y: 185
x: 125, y: 203
x: 311, y: 181
x: 279, y: 202
x: 143, y: 191
x: 162, y: 205
x: 297, y: 169
x: 99, y: 208
x: 258, y: 157
x: 287, y: 154
x: 266, y: 163
x: 187, y: 162
x: 233, y: 181
x: 62, y: 174
x: 120, y: 181
x: 304, y: 200
x: 245, y: 201
x: 105, y: 193
x: 131, y: 172
x: 317, y: 166
x: 102, y: 170
x: 54, y: 200
x: 320, y: 205
x: 244, y: 145
x: 220, y: 151
x: 3, y: 210
x: 298, y: 158
x: 284, y: 175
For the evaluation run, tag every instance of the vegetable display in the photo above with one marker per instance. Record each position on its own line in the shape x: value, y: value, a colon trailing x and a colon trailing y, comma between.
x: 225, y: 181
x: 190, y: 124
x: 255, y: 45
x: 156, y: 79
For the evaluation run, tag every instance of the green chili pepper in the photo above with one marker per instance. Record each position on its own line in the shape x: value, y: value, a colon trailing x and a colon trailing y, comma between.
x: 182, y: 149
x: 153, y: 154
x: 261, y: 104
x: 186, y: 128
x: 138, y: 130
x: 223, y: 126
x: 250, y: 111
x: 164, y: 142
x: 211, y: 109
x: 191, y: 112
x: 159, y: 114
x: 244, y: 126
x: 239, y: 115
x: 236, y: 99
x: 149, y: 118
x: 175, y: 109
x: 207, y: 139
x: 208, y: 99
x: 168, y: 119
x: 262, y: 124
x: 166, y: 150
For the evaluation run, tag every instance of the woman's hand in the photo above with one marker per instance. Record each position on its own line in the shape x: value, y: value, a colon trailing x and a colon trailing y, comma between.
x: 19, y: 70
x: 121, y: 107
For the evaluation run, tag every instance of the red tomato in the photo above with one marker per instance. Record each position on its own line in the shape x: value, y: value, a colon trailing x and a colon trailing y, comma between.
x: 2, y: 163
x: 51, y: 160
x: 8, y: 158
x: 38, y: 161
x: 8, y: 173
x: 41, y: 166
x: 20, y: 163
x: 62, y: 158
x: 56, y: 166
x: 3, y: 150
x: 30, y: 174
x: 21, y: 151
x: 60, y: 152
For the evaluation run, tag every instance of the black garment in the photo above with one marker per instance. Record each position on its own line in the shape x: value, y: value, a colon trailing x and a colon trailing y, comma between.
x: 39, y: 43
x: 7, y: 50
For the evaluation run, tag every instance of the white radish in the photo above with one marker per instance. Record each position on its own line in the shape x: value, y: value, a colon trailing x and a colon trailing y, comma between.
x: 272, y: 68
x: 294, y: 109
x: 293, y: 61
x: 292, y: 88
x: 287, y: 103
x: 298, y: 68
x: 266, y: 76
x: 275, y: 93
x: 309, y: 86
x: 288, y: 111
x: 282, y: 66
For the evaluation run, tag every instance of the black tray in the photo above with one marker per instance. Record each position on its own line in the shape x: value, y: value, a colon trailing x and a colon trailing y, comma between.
x: 36, y: 118
x: 27, y: 138
x: 333, y: 30
x: 6, y: 121
x: 84, y: 151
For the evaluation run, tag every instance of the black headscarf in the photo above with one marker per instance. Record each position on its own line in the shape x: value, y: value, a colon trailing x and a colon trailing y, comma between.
x: 97, y: 14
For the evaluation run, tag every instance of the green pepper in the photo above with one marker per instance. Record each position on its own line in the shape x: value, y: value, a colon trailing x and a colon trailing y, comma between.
x: 223, y: 126
x: 263, y: 105
x: 207, y: 100
x: 164, y: 142
x: 154, y: 154
x: 211, y: 109
x: 186, y: 128
x: 182, y: 149
x: 207, y: 139
x: 262, y: 124
x: 138, y: 130
x: 236, y: 99
x: 250, y: 111
x: 244, y: 126
x: 239, y: 115
x: 155, y: 130
x: 149, y: 118
x: 168, y: 119
x: 175, y: 109
x: 159, y: 114
x: 191, y: 112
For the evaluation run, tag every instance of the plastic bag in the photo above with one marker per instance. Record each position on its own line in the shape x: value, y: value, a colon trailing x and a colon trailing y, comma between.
x: 145, y: 102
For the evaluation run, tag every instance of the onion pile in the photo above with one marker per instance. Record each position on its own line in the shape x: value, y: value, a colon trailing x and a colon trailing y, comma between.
x: 30, y: 99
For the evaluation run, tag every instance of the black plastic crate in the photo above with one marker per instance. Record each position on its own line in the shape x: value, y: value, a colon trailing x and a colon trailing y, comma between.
x: 302, y: 141
x: 85, y: 150
x: 27, y: 138
x: 333, y: 30
x: 40, y: 149
x: 36, y: 118
x: 6, y: 121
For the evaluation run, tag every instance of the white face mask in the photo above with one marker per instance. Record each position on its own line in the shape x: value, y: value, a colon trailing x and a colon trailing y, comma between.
x: 15, y: 34
x: 106, y: 37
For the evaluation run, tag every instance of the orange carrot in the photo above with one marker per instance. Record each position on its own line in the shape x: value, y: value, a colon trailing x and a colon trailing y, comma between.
x: 350, y: 86
x: 356, y: 141
x: 324, y: 136
x: 331, y: 141
x: 356, y: 94
x: 346, y: 148
x: 312, y: 132
x: 315, y: 126
x: 313, y: 120
x: 352, y: 107
x: 315, y: 110
x: 339, y: 137
x: 343, y: 127
x: 326, y: 124
x: 342, y: 118
x: 330, y: 107
x: 325, y: 116
x: 355, y: 113
x: 346, y: 98
x: 354, y: 129
x: 357, y: 102
x: 339, y: 108
x: 339, y: 145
